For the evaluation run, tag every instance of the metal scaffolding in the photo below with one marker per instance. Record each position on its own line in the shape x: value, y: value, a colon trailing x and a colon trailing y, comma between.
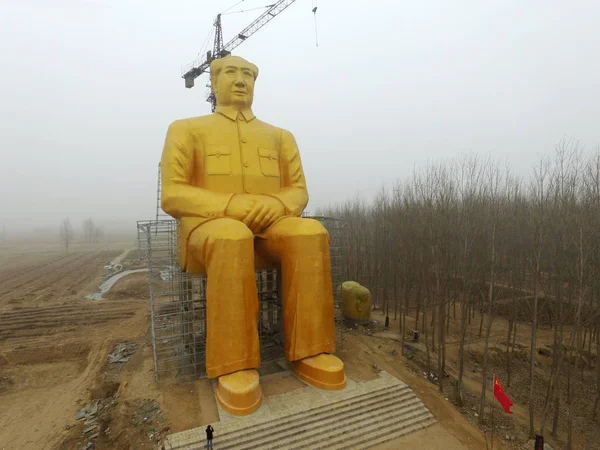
x: 178, y: 302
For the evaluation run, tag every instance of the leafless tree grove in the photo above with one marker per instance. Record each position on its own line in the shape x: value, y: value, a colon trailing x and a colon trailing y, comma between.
x: 91, y: 231
x: 468, y: 245
x: 66, y: 233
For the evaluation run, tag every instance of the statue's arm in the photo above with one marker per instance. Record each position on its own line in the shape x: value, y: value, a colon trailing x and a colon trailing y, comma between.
x: 293, y: 193
x: 179, y: 197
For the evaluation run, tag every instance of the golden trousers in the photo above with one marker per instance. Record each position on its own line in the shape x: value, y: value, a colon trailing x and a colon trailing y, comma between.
x: 226, y: 248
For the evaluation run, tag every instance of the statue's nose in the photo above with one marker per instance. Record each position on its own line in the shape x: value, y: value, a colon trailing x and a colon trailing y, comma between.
x: 239, y: 80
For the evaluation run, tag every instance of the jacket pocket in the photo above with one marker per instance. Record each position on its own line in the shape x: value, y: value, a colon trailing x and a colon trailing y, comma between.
x: 269, y: 162
x: 217, y: 160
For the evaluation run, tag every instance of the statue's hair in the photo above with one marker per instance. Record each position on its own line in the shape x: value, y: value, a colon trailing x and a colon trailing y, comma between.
x: 217, y: 65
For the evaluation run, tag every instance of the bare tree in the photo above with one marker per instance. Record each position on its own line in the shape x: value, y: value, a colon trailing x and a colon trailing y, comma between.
x: 539, y: 194
x: 470, y: 237
x: 496, y: 194
x: 66, y: 232
x: 89, y: 230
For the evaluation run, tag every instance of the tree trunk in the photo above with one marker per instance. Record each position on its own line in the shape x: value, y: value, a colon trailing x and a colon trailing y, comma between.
x: 484, y: 370
x: 508, y: 352
x: 481, y: 321
x: 418, y: 306
x: 552, y: 385
x: 595, y: 413
x: 448, y: 317
x: 569, y: 403
x: 533, y: 343
x: 514, y: 342
x: 442, y: 344
x: 426, y: 337
x: 395, y: 281
x: 461, y: 349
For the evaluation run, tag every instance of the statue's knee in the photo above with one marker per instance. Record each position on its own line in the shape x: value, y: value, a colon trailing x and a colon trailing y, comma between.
x: 313, y: 227
x: 220, y: 231
x: 232, y: 230
x: 303, y: 227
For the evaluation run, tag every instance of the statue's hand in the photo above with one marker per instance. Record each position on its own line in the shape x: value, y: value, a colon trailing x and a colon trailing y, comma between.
x: 240, y: 206
x: 266, y: 210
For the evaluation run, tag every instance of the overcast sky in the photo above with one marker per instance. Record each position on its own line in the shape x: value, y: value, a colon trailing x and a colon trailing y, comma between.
x: 89, y: 87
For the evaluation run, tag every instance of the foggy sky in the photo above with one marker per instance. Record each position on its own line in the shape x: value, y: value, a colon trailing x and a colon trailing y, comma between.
x: 89, y: 87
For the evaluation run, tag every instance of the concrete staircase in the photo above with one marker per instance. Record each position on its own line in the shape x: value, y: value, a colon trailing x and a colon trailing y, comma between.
x: 360, y: 420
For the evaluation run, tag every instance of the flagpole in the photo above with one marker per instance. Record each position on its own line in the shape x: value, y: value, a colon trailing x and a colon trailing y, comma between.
x: 492, y: 405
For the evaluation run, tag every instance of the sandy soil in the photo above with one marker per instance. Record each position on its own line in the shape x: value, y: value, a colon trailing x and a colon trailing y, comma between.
x: 436, y: 437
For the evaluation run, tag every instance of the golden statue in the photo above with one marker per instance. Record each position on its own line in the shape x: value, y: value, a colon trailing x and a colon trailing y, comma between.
x: 238, y: 188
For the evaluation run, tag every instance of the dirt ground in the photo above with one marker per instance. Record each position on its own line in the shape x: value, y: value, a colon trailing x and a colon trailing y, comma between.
x: 517, y: 424
x: 54, y: 345
x: 53, y: 342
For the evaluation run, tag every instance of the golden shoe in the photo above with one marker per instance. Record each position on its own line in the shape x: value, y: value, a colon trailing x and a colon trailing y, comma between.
x: 239, y: 393
x: 324, y: 371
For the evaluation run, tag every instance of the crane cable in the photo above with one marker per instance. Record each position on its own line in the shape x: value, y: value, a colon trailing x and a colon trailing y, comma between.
x: 314, y: 10
x: 231, y: 7
x: 205, y: 44
x: 247, y: 10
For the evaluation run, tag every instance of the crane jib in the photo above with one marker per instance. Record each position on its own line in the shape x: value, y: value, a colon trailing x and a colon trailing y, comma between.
x: 220, y: 50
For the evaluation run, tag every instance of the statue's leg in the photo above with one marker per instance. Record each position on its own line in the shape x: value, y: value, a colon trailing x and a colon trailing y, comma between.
x: 225, y: 247
x: 301, y: 246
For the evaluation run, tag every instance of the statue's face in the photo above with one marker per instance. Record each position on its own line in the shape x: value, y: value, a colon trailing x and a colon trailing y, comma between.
x: 235, y: 84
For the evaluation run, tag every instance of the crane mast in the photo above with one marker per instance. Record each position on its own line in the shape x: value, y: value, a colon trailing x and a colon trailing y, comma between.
x: 219, y: 50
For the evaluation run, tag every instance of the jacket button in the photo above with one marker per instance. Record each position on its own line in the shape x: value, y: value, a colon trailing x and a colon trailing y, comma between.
x: 218, y: 154
x: 248, y: 190
x: 244, y: 140
x: 246, y: 163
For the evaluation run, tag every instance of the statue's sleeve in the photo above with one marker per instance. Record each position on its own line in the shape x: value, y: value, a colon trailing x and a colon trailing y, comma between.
x: 179, y: 197
x: 293, y: 193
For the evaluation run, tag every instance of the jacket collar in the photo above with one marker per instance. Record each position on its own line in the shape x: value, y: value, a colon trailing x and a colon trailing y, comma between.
x: 232, y: 112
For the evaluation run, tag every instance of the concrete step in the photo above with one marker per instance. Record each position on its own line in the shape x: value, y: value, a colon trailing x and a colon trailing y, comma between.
x: 379, y: 437
x: 349, y: 430
x: 231, y: 440
x: 330, y: 419
x: 366, y: 414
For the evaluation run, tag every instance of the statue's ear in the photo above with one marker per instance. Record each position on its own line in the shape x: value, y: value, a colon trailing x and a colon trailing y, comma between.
x: 213, y: 84
x: 254, y: 70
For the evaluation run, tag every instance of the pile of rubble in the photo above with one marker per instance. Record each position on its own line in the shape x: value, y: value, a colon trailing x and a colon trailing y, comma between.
x: 89, y: 414
x: 121, y: 353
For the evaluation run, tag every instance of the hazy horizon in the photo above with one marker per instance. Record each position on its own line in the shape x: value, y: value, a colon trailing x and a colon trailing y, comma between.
x: 90, y: 87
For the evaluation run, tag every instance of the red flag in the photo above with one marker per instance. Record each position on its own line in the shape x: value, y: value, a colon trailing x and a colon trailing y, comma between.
x: 501, y: 396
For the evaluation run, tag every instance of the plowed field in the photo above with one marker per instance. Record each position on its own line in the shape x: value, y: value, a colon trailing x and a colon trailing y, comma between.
x: 54, y: 341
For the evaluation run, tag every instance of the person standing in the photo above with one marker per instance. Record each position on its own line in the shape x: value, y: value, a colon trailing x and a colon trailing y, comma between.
x: 209, y: 437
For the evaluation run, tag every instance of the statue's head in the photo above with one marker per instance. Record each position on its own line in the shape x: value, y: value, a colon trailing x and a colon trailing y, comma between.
x: 232, y: 80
